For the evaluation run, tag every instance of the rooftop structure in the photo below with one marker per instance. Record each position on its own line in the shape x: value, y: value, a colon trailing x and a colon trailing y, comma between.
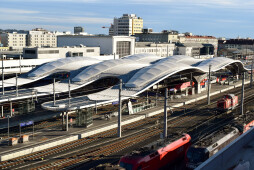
x: 165, y: 36
x: 78, y: 29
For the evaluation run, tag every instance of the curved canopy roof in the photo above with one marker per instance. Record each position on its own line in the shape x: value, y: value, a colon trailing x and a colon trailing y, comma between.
x: 218, y: 63
x: 95, y: 70
x: 144, y: 76
x: 175, y: 64
x: 163, y: 67
x: 70, y: 63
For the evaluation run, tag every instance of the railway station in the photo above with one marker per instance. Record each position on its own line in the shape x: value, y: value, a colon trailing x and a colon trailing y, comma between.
x: 89, y: 96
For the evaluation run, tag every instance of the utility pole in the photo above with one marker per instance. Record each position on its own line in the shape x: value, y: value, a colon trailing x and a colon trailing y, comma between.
x: 17, y: 93
x: 251, y: 74
x: 11, y: 108
x: 54, y: 92
x: 209, y: 85
x: 67, y: 121
x: 3, y: 73
x: 69, y: 89
x: 165, y: 132
x: 19, y: 64
x: 8, y: 128
x: 242, y: 99
x: 119, y: 130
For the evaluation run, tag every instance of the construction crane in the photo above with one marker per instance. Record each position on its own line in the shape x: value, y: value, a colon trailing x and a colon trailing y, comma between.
x: 107, y: 27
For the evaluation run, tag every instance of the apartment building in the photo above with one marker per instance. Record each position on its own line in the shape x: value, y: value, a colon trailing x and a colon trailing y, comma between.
x: 41, y: 38
x: 16, y: 40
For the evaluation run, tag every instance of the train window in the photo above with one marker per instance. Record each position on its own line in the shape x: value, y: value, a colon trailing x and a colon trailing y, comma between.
x: 126, y: 166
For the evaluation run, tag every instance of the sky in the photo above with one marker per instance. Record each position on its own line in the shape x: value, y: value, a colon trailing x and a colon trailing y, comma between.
x: 219, y: 18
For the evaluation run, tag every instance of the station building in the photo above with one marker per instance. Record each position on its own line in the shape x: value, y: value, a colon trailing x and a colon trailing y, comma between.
x: 60, y: 52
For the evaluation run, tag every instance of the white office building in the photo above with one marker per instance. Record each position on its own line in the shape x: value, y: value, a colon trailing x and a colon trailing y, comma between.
x: 60, y: 52
x: 119, y: 45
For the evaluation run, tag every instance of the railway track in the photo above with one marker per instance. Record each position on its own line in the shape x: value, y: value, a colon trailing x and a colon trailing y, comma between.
x: 74, y: 161
x: 52, y: 151
x: 64, y: 147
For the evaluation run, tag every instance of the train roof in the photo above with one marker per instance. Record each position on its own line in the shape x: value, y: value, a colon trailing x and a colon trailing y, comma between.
x: 214, y: 137
x: 154, y: 146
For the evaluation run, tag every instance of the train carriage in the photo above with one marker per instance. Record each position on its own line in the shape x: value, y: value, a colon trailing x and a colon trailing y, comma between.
x: 156, y: 155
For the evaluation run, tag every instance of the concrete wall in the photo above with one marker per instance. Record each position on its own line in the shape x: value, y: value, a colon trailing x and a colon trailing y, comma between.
x: 105, y: 43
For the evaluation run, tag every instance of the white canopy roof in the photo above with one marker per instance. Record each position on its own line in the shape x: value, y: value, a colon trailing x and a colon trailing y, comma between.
x: 70, y: 63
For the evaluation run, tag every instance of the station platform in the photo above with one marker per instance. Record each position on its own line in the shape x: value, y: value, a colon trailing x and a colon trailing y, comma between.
x: 51, y: 137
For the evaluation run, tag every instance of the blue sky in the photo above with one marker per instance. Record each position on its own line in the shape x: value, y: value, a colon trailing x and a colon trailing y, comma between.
x: 220, y: 18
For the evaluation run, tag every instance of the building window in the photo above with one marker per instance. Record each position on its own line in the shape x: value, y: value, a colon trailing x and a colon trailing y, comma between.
x: 30, y: 52
x: 90, y: 50
x: 49, y: 52
x: 123, y: 48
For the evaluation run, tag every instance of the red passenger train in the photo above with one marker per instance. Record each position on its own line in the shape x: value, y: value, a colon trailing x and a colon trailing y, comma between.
x: 156, y: 155
x: 228, y: 102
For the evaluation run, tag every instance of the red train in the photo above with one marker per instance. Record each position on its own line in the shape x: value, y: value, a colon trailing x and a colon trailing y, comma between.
x: 248, y: 126
x: 156, y: 155
x: 228, y: 102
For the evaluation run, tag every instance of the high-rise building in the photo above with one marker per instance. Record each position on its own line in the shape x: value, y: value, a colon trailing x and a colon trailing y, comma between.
x: 128, y: 24
x: 78, y: 30
x: 41, y: 38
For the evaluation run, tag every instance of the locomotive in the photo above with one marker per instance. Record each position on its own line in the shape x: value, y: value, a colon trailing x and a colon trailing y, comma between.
x: 228, y: 102
x: 156, y: 155
x: 209, y: 145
